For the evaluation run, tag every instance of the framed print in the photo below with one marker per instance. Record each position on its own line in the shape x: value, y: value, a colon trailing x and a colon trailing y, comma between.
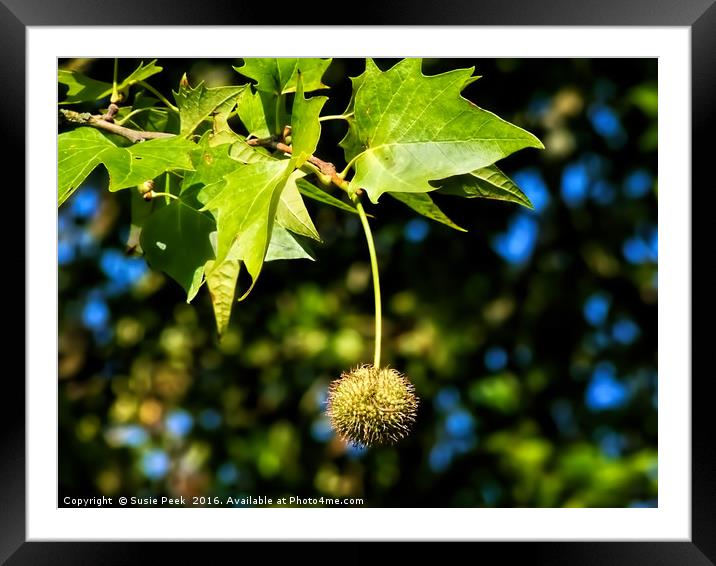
x: 486, y: 353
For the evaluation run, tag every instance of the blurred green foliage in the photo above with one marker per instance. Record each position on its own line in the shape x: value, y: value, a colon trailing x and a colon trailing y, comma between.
x: 531, y: 340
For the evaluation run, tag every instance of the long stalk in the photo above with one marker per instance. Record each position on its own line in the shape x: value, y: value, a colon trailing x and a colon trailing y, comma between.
x: 376, y: 281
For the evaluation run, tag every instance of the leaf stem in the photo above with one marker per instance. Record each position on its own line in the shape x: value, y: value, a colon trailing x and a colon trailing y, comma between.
x: 115, y: 95
x: 376, y: 280
x: 343, y: 173
x: 168, y: 195
x: 335, y: 117
x: 128, y: 116
x: 277, y: 117
x: 159, y: 95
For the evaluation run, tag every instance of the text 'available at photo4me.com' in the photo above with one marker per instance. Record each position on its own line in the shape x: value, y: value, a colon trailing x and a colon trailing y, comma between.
x: 215, y: 501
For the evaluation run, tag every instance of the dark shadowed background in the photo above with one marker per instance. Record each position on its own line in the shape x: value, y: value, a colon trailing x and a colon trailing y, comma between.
x: 531, y: 339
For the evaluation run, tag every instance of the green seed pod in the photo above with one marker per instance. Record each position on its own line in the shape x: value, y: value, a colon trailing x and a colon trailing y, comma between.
x: 372, y: 405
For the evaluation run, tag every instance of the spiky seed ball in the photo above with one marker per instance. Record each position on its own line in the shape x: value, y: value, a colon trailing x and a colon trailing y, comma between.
x: 370, y: 405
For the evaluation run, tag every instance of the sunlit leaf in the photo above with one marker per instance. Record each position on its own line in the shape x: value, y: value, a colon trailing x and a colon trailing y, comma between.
x: 292, y: 213
x: 279, y: 75
x: 416, y: 128
x: 141, y: 73
x: 221, y: 281
x: 245, y: 207
x: 257, y: 112
x: 305, y: 126
x: 82, y: 149
x: 199, y: 103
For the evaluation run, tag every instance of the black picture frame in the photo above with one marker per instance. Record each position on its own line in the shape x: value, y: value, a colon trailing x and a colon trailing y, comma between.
x: 698, y: 15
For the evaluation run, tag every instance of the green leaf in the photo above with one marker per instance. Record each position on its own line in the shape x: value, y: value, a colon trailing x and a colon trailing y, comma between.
x: 351, y: 143
x: 221, y: 280
x: 245, y: 207
x: 417, y: 128
x: 221, y: 115
x: 129, y: 166
x: 284, y: 245
x: 313, y: 192
x: 82, y: 149
x: 279, y: 75
x: 82, y: 88
x: 305, y: 126
x: 423, y: 204
x: 142, y: 115
x: 292, y: 213
x: 257, y: 112
x: 79, y: 152
x: 245, y: 153
x: 175, y: 240
x: 153, y: 120
x: 488, y: 182
x: 141, y: 73
x: 140, y: 210
x: 199, y: 103
x: 210, y: 164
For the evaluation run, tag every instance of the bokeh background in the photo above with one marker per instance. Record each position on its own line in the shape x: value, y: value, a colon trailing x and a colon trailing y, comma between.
x: 531, y: 339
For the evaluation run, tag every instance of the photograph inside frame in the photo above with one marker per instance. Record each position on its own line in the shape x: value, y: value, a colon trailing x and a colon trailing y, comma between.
x: 357, y: 283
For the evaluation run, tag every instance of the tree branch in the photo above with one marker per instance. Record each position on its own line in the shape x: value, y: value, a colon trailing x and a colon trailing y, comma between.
x: 326, y: 168
x: 87, y: 119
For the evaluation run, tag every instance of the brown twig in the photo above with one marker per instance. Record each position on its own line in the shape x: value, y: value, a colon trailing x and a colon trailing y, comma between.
x: 99, y: 122
x: 326, y: 168
x: 111, y: 113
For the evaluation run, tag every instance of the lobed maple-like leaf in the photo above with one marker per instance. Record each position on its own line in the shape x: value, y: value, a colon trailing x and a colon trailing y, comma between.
x: 244, y: 204
x: 410, y: 129
x: 175, y: 240
x: 280, y: 75
x: 83, y: 149
x: 199, y: 103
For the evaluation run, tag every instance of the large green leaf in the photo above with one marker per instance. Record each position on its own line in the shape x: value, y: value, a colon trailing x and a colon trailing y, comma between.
x: 280, y: 75
x: 488, y: 182
x: 305, y: 126
x: 199, y: 103
x: 423, y: 204
x: 221, y: 280
x: 245, y: 207
x: 175, y: 240
x: 284, y: 245
x: 81, y: 150
x: 313, y: 192
x: 81, y: 88
x: 416, y: 128
x: 291, y: 212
